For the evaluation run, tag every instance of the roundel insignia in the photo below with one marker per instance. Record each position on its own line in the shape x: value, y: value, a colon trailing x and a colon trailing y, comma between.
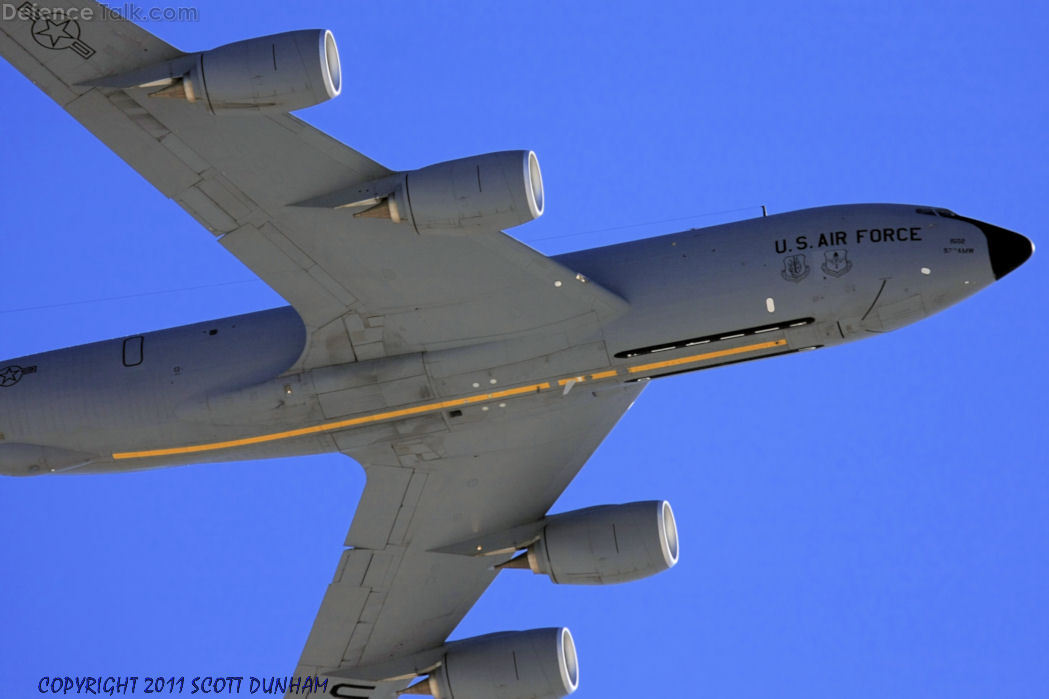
x: 55, y: 35
x: 10, y: 375
x: 53, y: 31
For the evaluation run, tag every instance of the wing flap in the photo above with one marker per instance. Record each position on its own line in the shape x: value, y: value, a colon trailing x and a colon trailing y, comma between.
x: 374, y: 520
x: 342, y: 606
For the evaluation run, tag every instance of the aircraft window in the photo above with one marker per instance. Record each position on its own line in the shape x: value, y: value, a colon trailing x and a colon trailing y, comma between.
x: 731, y: 361
x: 133, y: 351
x: 735, y: 334
x: 946, y: 213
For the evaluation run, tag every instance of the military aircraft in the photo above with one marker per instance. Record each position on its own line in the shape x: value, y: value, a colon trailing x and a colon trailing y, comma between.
x: 471, y: 376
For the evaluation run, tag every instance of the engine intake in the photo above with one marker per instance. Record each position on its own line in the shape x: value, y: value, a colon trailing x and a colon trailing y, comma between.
x: 536, y: 664
x: 606, y: 544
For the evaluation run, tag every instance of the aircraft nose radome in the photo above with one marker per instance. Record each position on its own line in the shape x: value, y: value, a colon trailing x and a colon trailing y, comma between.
x: 1008, y: 250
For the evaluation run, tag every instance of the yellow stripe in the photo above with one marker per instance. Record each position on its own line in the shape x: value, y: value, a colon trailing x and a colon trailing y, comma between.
x: 708, y: 355
x: 431, y: 407
x: 329, y: 426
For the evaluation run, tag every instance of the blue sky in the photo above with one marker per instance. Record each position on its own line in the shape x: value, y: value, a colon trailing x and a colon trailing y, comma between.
x: 864, y: 521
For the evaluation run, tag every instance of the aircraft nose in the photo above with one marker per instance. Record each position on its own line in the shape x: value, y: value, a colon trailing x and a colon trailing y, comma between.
x: 1008, y: 250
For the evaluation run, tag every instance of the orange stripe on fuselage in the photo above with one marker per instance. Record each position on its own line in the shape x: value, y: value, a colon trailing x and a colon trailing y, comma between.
x: 441, y: 405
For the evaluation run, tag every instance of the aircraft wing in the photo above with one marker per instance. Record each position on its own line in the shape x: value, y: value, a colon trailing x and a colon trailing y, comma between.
x: 395, y: 598
x: 364, y: 287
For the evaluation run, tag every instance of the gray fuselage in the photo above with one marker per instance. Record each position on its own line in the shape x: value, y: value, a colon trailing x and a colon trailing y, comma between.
x: 222, y: 390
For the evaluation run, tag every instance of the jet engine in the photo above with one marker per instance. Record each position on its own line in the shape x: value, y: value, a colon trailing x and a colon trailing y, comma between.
x: 278, y: 73
x: 536, y: 664
x: 282, y: 72
x: 484, y: 192
x: 604, y: 545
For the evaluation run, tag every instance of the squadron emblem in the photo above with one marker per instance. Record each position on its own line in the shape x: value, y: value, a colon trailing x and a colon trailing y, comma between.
x: 795, y: 268
x: 53, y: 31
x: 836, y: 263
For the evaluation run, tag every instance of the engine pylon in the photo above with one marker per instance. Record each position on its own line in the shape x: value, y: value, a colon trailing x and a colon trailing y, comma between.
x: 422, y: 688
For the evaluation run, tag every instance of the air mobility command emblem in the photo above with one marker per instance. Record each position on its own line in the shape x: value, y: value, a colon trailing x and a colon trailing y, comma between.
x: 795, y: 268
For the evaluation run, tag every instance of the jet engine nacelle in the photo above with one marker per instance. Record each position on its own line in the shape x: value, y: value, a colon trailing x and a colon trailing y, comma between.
x: 537, y: 664
x: 481, y: 193
x: 607, y: 544
x: 278, y: 73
